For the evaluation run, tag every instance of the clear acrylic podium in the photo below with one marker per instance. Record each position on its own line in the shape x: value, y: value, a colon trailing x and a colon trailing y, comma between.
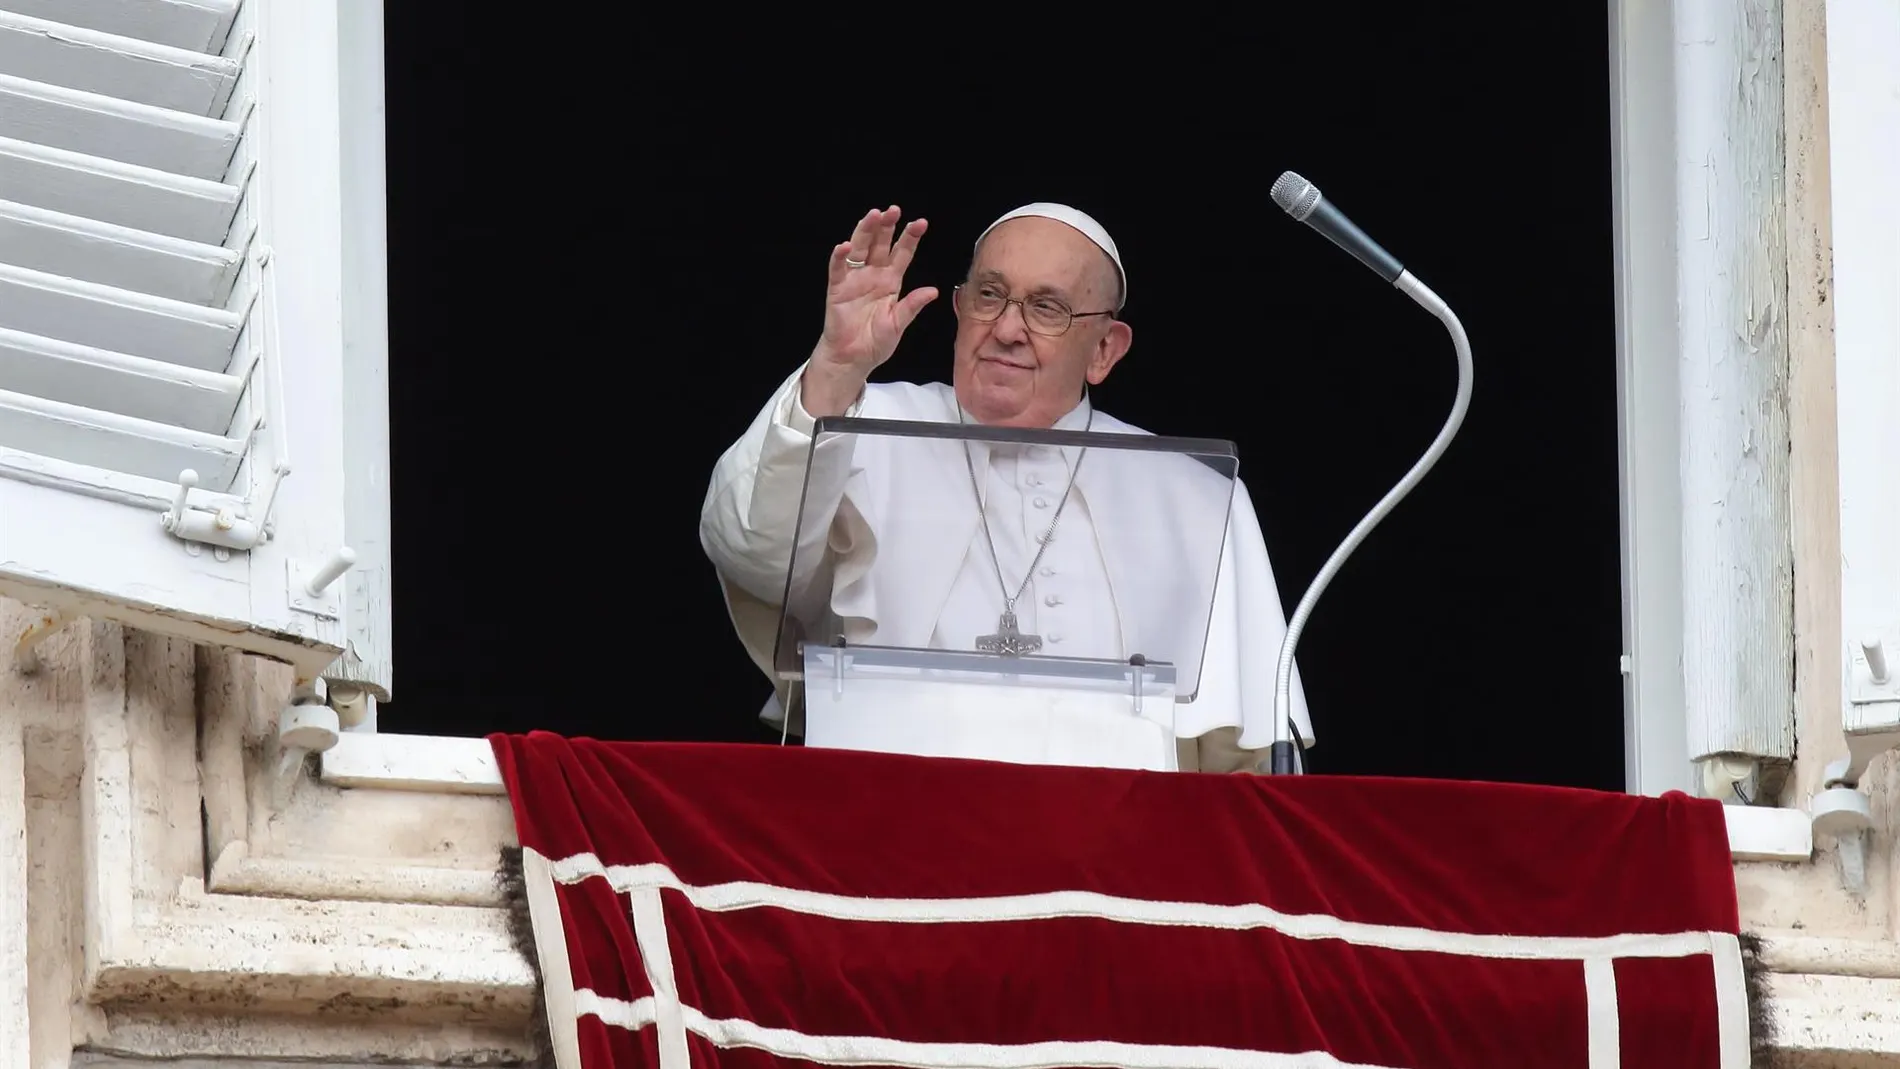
x: 894, y: 600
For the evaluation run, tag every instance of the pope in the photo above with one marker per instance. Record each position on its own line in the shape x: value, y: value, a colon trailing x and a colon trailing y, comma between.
x: 940, y: 544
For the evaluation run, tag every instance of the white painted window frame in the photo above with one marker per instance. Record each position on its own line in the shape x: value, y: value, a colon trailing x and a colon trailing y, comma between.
x: 362, y: 174
x: 1642, y: 62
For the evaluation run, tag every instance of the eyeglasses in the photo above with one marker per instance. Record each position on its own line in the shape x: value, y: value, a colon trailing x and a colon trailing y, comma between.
x: 986, y: 302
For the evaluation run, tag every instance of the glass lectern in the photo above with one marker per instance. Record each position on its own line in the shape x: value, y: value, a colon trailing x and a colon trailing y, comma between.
x: 1030, y: 596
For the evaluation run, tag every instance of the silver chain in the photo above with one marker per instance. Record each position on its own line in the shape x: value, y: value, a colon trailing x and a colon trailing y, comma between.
x: 1009, y: 601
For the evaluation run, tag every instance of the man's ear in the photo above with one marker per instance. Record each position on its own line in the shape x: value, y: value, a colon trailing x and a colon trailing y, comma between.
x: 1110, y: 350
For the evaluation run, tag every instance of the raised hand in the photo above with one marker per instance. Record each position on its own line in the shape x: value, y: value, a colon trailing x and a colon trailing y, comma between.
x: 866, y: 311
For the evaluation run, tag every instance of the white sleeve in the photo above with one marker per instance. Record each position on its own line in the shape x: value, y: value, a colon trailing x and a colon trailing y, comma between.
x: 746, y: 525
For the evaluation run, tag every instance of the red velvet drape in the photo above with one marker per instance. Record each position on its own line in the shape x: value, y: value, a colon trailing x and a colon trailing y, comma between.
x: 829, y: 907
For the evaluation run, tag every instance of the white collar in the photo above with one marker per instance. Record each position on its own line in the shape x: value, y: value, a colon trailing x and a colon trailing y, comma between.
x: 982, y: 454
x: 1074, y: 419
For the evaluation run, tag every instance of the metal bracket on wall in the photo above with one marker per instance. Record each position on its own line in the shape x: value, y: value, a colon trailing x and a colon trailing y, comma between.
x: 1870, y: 725
x: 314, y: 590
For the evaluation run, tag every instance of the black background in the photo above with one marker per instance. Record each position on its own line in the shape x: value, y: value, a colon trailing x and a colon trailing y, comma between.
x: 605, y: 255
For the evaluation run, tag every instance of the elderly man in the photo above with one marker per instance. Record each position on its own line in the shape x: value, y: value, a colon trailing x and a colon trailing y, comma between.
x: 1037, y: 324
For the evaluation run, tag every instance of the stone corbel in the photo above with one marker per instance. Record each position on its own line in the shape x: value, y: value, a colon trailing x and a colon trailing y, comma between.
x: 244, y: 795
x: 161, y: 938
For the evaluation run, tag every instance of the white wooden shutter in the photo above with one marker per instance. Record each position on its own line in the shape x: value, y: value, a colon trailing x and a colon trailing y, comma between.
x: 174, y: 296
x: 1863, y: 129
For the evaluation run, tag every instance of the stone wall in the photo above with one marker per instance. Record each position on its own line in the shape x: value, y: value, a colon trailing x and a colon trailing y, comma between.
x: 170, y: 904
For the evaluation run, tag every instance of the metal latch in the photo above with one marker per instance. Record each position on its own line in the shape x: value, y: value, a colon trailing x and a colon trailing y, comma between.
x: 225, y: 529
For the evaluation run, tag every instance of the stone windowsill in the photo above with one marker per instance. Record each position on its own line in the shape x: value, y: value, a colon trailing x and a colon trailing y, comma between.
x: 467, y: 766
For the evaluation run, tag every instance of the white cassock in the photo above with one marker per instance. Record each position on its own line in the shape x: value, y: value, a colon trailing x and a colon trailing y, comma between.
x: 894, y: 573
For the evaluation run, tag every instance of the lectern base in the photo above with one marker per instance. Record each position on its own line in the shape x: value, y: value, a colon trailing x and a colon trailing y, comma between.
x: 1022, y: 717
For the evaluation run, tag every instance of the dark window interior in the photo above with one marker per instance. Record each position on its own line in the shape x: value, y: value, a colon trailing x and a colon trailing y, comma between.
x: 600, y: 268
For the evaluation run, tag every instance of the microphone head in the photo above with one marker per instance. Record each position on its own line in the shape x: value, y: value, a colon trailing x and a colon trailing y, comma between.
x: 1295, y: 194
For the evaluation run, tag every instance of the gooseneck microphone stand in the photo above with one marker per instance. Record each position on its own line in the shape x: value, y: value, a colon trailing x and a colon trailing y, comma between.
x: 1302, y: 200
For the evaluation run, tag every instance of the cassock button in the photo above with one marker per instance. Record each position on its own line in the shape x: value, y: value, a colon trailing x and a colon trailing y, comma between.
x: 1042, y: 503
x: 1047, y: 571
x: 1033, y: 479
x: 1052, y: 600
x: 1055, y: 637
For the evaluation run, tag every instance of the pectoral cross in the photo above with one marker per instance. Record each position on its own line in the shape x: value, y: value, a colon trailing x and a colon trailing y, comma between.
x: 1009, y: 640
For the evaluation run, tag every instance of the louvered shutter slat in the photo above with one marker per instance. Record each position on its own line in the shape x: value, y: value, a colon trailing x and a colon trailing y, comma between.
x: 118, y: 443
x: 101, y: 125
x: 120, y: 320
x: 197, y: 25
x: 114, y: 382
x: 111, y: 255
x: 142, y: 198
x: 123, y: 67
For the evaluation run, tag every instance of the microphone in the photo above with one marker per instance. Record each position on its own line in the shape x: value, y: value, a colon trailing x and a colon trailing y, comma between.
x: 1303, y: 202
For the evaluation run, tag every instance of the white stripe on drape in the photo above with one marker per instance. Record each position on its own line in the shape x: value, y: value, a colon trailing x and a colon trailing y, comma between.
x: 1731, y: 1001
x: 858, y: 1050
x: 724, y: 897
x: 1060, y: 1054
x: 656, y: 952
x: 557, y: 977
x: 1606, y: 1033
x: 617, y: 1012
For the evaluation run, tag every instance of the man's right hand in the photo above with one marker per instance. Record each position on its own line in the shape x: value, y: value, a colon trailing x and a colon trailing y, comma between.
x: 864, y: 315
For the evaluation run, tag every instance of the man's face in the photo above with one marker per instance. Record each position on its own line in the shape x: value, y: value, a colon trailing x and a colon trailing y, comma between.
x: 1009, y: 371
